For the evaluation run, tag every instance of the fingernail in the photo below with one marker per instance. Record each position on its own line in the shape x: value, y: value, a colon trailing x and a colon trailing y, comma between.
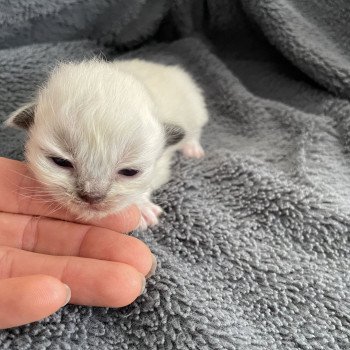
x: 143, y: 284
x: 153, y: 267
x: 69, y: 294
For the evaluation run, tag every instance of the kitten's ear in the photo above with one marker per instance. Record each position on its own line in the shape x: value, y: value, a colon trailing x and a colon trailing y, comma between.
x: 173, y: 134
x: 22, y: 118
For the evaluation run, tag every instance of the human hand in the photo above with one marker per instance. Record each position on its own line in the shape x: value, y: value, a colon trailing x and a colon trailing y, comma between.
x: 40, y: 254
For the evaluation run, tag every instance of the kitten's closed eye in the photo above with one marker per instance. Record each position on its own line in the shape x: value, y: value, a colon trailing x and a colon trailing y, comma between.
x: 128, y: 172
x: 64, y: 163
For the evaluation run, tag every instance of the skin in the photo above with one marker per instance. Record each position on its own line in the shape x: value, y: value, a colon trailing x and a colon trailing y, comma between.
x: 43, y: 251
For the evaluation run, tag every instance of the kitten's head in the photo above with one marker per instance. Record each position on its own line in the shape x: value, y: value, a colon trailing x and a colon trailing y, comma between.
x: 93, y: 138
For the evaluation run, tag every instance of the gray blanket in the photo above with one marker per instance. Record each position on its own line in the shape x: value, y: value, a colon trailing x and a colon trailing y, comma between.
x: 254, y: 248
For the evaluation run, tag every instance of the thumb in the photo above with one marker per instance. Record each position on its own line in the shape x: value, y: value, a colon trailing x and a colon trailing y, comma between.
x: 30, y: 298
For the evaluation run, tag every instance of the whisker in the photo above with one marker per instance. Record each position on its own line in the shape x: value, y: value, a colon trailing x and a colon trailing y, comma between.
x: 58, y: 207
x: 21, y: 174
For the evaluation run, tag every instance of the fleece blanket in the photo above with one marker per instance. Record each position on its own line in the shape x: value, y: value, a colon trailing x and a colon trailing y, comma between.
x: 254, y: 248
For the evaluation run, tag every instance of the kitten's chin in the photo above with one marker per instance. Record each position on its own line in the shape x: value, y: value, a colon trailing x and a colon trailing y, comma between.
x: 93, y: 212
x: 90, y: 214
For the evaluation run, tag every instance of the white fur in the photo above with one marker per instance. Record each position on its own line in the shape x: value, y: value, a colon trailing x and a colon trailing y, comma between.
x: 104, y: 117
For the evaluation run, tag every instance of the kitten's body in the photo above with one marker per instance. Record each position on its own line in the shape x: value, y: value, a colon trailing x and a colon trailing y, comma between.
x: 105, y: 119
x: 178, y: 101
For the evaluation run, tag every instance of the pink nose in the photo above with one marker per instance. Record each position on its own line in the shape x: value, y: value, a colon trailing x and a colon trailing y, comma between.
x: 91, y: 198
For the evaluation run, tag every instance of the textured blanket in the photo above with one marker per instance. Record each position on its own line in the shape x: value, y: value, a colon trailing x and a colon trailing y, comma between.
x: 254, y: 248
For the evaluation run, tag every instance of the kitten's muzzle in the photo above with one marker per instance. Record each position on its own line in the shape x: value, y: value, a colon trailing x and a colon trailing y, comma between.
x: 91, y: 198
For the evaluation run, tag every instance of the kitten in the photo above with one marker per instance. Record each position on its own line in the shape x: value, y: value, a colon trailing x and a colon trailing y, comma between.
x: 101, y: 134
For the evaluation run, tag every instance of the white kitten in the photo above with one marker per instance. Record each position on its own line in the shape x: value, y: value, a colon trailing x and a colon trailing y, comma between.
x: 101, y: 134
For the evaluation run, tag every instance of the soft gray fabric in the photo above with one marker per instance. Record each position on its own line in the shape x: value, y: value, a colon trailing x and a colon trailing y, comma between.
x: 254, y: 248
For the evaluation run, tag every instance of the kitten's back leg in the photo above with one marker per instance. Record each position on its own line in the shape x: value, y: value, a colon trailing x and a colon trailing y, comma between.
x: 192, y: 149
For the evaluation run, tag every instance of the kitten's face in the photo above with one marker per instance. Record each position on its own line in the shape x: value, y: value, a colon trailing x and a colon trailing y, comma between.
x: 94, y: 143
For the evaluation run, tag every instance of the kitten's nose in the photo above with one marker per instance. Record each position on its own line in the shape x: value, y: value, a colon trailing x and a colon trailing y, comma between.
x: 91, y: 198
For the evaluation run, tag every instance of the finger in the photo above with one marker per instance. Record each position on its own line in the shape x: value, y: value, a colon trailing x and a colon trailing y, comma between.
x: 55, y: 237
x: 30, y: 298
x: 92, y: 282
x: 16, y: 179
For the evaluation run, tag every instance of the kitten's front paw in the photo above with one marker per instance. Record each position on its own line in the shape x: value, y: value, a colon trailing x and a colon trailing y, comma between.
x: 192, y: 149
x: 149, y: 214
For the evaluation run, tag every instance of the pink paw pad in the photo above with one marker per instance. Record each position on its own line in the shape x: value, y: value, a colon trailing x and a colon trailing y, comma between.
x: 192, y: 150
x: 149, y: 215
